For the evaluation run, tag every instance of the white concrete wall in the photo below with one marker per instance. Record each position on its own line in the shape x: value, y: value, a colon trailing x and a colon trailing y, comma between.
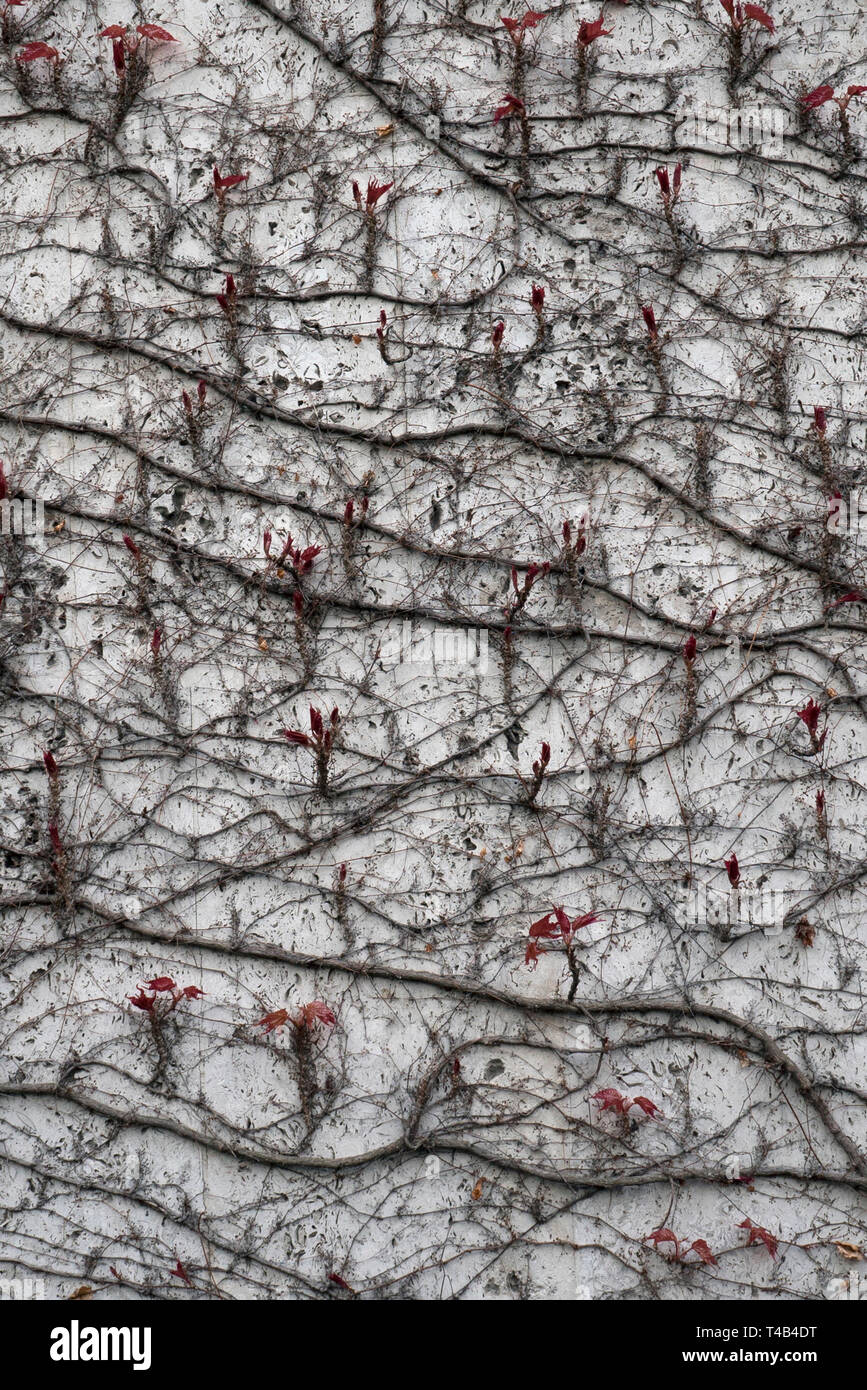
x: 440, y: 1141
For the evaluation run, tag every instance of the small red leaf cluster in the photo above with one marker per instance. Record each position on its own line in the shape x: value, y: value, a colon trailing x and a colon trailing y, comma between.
x: 555, y: 925
x: 853, y: 596
x: 374, y: 192
x: 580, y: 540
x: 756, y: 1235
x: 163, y: 985
x: 543, y: 759
x: 300, y: 560
x: 820, y: 95
x: 124, y: 44
x: 610, y: 1099
x: 319, y: 737
x: 518, y: 27
x: 665, y: 1236
x: 308, y: 1016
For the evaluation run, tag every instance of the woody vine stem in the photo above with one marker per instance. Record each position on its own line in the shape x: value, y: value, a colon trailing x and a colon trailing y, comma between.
x: 433, y: 713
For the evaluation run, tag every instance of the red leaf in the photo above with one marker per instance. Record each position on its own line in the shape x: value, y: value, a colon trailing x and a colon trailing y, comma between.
x: 31, y: 51
x: 733, y: 870
x: 375, y: 191
x: 509, y: 105
x: 532, y: 953
x: 589, y: 30
x: 296, y: 736
x: 853, y: 596
x: 306, y: 558
x: 161, y: 985
x: 544, y: 928
x: 274, y: 1021
x: 609, y: 1099
x: 528, y: 21
x: 647, y: 1106
x: 180, y: 1273
x: 817, y: 97
x: 114, y: 31
x: 662, y: 1235
x: 153, y: 31
x: 810, y: 715
x: 227, y: 180
x: 142, y: 1001
x: 563, y: 921
x: 702, y: 1249
x: 760, y: 16
x: 585, y: 921
x: 317, y: 1012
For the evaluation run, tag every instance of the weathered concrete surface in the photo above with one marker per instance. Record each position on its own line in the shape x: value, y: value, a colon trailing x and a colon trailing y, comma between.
x: 441, y: 1140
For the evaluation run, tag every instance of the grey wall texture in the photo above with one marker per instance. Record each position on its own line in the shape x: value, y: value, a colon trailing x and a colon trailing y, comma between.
x: 495, y: 382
